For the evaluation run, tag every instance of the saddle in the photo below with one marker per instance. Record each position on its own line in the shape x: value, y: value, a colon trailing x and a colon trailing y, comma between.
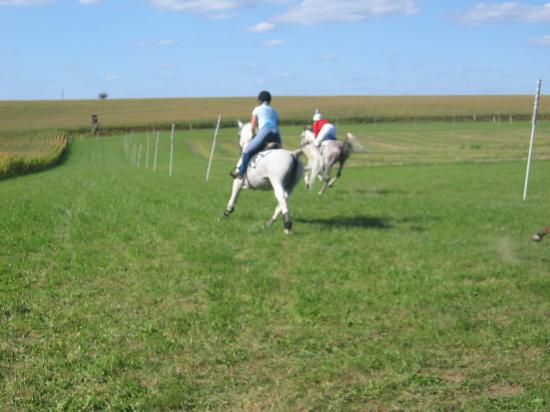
x: 272, y: 145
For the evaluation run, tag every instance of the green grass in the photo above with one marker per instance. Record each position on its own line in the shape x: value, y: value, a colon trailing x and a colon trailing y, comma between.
x: 410, y: 287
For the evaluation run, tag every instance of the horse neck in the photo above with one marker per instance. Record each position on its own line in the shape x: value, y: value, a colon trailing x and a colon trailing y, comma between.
x: 310, y: 151
x: 246, y: 135
x: 309, y: 137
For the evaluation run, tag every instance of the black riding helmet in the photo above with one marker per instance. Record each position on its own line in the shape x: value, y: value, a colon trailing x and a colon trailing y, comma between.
x: 264, y: 96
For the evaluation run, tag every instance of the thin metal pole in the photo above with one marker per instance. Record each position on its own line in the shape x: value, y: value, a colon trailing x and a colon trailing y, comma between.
x: 147, y: 153
x: 172, y: 147
x: 156, y: 152
x: 531, y: 143
x: 213, y: 147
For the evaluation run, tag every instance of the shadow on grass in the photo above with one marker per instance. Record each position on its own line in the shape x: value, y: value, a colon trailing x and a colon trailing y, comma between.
x: 361, y: 222
x: 380, y: 192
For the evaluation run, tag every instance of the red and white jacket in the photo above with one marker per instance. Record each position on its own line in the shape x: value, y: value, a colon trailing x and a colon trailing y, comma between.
x: 318, y: 125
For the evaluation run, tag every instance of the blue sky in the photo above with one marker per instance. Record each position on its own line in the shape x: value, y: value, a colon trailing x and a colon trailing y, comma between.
x: 189, y: 48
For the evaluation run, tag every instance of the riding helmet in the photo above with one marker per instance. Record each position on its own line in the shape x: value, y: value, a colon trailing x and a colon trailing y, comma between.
x: 317, y: 116
x: 264, y: 96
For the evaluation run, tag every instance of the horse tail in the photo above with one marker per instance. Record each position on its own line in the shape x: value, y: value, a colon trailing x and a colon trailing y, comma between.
x: 351, y: 144
x: 294, y: 173
x: 347, y: 147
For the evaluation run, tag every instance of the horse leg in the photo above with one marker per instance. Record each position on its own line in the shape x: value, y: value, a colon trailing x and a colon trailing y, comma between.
x: 282, y: 198
x: 324, y: 187
x: 338, y: 174
x: 537, y: 237
x: 307, y: 179
x: 275, y: 216
x: 326, y: 177
x: 237, y: 186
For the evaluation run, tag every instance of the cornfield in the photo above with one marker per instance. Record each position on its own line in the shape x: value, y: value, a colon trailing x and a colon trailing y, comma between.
x: 29, y: 152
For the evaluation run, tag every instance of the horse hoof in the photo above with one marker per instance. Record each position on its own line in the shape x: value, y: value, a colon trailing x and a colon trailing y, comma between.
x: 288, y: 231
x: 288, y: 226
x: 269, y: 223
x: 536, y: 237
x: 227, y: 212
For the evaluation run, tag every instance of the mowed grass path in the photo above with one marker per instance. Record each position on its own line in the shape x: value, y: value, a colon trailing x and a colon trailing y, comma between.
x: 411, y: 287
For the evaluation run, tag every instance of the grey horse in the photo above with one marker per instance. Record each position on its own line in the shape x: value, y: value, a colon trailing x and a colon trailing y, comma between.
x: 276, y: 169
x: 322, y: 159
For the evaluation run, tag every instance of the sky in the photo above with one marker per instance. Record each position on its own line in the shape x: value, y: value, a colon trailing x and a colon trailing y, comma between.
x: 75, y: 49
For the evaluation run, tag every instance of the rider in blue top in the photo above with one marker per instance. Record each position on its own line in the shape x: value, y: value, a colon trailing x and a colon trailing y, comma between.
x: 266, y: 119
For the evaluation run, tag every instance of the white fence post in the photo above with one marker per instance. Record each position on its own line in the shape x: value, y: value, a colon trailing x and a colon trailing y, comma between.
x: 213, y: 147
x: 156, y: 152
x: 147, y: 153
x: 531, y: 143
x: 172, y: 147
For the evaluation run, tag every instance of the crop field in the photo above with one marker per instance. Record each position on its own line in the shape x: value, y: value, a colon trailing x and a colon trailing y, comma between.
x: 30, y: 151
x: 201, y: 112
x: 411, y: 285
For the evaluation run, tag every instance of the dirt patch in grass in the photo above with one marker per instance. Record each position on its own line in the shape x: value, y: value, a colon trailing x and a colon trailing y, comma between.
x: 503, y: 390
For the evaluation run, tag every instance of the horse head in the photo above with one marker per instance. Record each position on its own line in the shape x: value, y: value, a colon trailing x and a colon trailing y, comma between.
x: 245, y: 133
x: 307, y: 136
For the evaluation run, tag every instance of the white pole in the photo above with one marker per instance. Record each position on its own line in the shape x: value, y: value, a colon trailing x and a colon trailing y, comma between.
x: 172, y: 147
x: 213, y: 147
x: 156, y: 152
x: 147, y: 153
x: 139, y: 155
x: 531, y: 143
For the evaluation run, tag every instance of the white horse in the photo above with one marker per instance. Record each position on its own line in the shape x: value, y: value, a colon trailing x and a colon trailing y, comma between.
x: 322, y: 159
x: 276, y: 169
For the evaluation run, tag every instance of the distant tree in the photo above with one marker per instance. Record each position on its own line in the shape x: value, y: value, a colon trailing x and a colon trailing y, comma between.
x: 103, y: 95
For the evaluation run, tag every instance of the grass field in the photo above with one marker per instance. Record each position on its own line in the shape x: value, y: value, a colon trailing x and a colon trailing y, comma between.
x: 198, y: 112
x: 412, y: 285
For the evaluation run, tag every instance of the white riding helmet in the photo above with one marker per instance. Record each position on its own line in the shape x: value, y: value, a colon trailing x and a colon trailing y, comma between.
x: 317, y: 116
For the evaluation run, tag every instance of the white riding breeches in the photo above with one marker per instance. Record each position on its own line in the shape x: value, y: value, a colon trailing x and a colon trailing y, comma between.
x: 327, y: 132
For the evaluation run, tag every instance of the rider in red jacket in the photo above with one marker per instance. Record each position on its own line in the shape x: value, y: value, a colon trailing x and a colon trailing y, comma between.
x: 322, y: 129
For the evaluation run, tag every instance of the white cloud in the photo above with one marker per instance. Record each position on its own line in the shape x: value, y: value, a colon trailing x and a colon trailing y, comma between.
x: 165, y: 66
x: 261, y: 27
x: 166, y: 43
x: 113, y: 77
x: 211, y: 8
x: 514, y: 11
x: 272, y: 43
x: 309, y: 12
x: 24, y: 2
x: 275, y: 78
x: 160, y: 43
x: 300, y: 11
x: 540, y: 41
x: 327, y: 57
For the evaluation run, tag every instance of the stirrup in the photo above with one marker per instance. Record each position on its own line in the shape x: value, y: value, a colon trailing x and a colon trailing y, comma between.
x: 235, y: 174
